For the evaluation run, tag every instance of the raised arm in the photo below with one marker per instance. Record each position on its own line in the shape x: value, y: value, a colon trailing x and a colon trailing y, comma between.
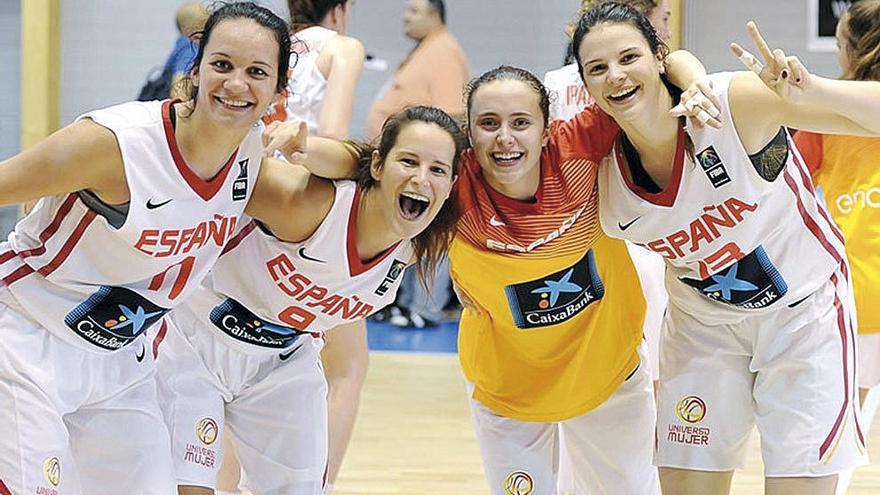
x: 780, y: 92
x: 346, y: 64
x: 289, y: 200
x: 83, y: 155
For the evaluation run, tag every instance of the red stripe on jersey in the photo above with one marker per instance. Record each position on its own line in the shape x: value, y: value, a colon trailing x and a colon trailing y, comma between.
x: 52, y: 228
x: 841, y: 327
x: 3, y: 489
x: 808, y: 185
x: 811, y: 224
x: 69, y: 244
x: 8, y: 255
x: 206, y: 189
x: 355, y: 265
x: 160, y: 336
x: 235, y: 241
x: 19, y: 272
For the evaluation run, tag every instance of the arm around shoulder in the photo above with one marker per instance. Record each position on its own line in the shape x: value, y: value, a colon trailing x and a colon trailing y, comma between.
x: 289, y: 200
x: 83, y: 155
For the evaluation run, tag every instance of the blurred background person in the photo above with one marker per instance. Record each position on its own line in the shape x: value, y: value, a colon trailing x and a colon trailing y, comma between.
x: 190, y: 19
x: 847, y: 170
x: 434, y: 73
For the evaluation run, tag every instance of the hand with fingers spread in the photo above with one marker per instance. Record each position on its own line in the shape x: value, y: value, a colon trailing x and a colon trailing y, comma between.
x: 699, y: 104
x: 786, y: 76
x: 287, y: 138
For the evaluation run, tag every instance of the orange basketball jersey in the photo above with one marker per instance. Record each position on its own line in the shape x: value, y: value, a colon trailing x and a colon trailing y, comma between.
x: 847, y: 170
x: 560, y: 305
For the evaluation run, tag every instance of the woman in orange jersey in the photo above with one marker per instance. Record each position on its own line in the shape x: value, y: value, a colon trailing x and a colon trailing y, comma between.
x: 550, y: 339
x: 846, y: 169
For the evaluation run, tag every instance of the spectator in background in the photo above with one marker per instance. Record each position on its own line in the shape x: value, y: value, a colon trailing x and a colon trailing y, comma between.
x: 190, y: 18
x: 568, y: 95
x: 172, y: 81
x: 434, y: 73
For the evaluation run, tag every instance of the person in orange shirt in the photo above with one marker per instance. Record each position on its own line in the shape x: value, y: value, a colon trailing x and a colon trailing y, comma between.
x: 434, y: 73
x: 846, y: 169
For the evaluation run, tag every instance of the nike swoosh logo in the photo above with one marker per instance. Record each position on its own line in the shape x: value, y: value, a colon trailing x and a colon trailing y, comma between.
x: 624, y: 226
x: 495, y: 222
x: 303, y: 255
x: 284, y: 356
x: 153, y: 206
x: 140, y: 357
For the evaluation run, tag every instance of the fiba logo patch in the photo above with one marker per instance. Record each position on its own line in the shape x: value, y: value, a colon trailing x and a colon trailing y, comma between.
x: 712, y: 167
x: 52, y: 470
x: 394, y: 273
x: 691, y: 409
x: 239, y: 187
x: 518, y: 483
x: 207, y: 430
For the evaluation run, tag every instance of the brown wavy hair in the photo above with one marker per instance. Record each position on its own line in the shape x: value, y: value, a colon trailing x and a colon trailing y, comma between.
x: 861, y: 30
x: 308, y: 13
x: 432, y: 244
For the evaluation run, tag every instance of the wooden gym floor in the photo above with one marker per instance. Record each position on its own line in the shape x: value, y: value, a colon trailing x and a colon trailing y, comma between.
x: 414, y: 435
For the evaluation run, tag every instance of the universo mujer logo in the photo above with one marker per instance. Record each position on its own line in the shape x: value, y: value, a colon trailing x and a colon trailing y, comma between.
x: 860, y: 198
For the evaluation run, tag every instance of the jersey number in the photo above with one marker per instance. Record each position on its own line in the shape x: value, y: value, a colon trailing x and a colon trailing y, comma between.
x: 186, y: 268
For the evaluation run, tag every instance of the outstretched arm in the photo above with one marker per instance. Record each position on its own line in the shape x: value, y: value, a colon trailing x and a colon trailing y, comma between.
x: 83, y: 155
x: 323, y: 157
x: 781, y: 92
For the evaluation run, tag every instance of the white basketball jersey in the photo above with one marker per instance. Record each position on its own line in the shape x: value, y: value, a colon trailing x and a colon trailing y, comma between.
x: 264, y: 293
x: 307, y: 85
x: 568, y: 95
x: 99, y: 286
x: 739, y: 233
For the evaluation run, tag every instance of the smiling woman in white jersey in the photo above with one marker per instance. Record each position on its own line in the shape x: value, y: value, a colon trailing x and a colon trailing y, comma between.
x: 138, y: 201
x: 759, y: 327
x: 325, y: 66
x: 241, y: 356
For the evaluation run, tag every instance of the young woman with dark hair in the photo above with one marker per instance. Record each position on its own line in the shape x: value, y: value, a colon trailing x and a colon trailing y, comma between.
x: 759, y: 327
x: 241, y: 357
x: 325, y: 68
x: 136, y: 203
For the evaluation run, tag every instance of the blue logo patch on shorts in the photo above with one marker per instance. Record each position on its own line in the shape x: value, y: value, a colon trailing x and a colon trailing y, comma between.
x: 113, y: 317
x: 753, y: 282
x: 557, y: 297
x: 240, y: 323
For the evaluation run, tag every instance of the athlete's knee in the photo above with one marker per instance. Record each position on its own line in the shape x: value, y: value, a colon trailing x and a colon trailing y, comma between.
x: 194, y: 490
x: 818, y: 485
x: 675, y: 481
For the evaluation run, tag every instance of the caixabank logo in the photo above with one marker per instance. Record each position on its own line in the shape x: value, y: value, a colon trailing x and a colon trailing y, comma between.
x: 113, y: 317
x: 240, y: 323
x: 753, y: 282
x: 557, y: 297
